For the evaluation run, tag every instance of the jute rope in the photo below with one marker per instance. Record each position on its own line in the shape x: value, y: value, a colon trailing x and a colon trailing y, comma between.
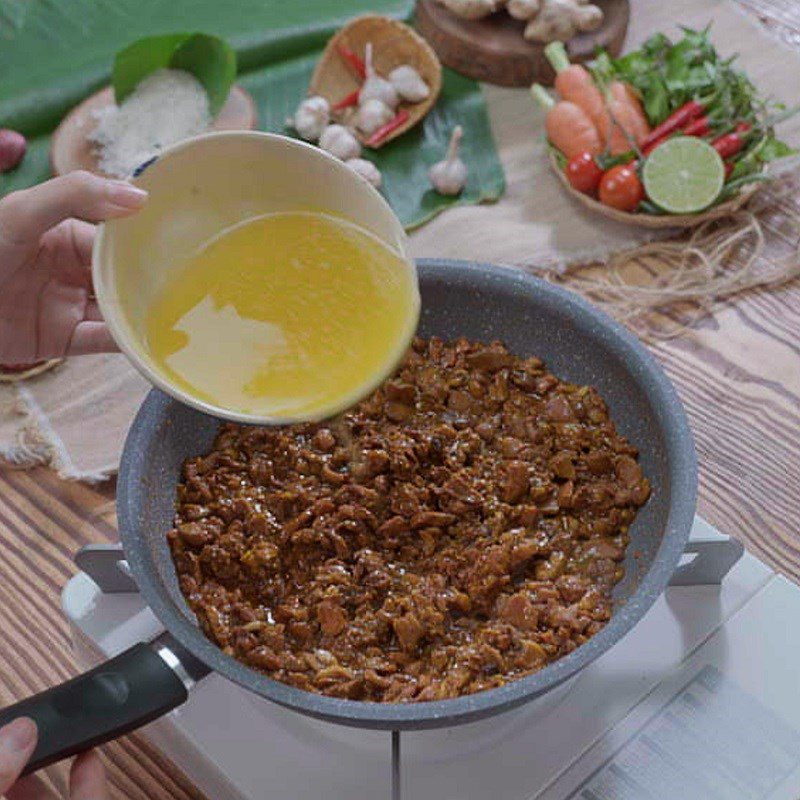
x: 662, y: 288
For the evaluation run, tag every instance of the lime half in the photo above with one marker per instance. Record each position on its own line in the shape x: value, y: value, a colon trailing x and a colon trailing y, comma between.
x: 684, y: 175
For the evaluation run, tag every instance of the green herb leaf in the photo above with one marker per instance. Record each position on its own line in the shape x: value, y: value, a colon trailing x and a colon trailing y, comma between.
x: 213, y: 62
x: 560, y: 158
x: 210, y: 59
x: 773, y: 149
x: 142, y: 58
x: 733, y: 186
x: 656, y: 99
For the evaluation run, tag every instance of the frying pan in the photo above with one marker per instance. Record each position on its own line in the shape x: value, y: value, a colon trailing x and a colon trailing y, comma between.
x: 482, y: 302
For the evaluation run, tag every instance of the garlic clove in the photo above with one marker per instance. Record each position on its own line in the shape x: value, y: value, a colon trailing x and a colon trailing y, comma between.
x: 312, y: 117
x: 409, y: 84
x: 373, y: 114
x: 375, y: 87
x: 367, y: 170
x: 449, y: 177
x: 340, y: 142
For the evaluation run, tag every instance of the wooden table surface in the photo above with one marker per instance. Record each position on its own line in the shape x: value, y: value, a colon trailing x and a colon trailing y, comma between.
x: 738, y: 375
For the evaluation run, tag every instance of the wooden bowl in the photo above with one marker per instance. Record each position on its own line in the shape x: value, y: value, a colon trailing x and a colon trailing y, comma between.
x: 655, y: 221
x: 393, y: 44
x: 70, y: 149
x: 494, y: 50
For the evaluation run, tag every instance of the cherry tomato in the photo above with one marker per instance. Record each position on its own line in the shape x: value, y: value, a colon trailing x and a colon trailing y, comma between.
x: 583, y: 173
x: 621, y: 188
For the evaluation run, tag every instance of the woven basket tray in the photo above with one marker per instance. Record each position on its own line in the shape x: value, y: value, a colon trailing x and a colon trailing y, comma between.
x: 393, y: 44
x: 652, y: 220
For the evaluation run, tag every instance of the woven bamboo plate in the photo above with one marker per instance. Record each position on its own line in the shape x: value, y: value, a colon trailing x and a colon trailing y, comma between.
x: 652, y: 220
x: 393, y: 44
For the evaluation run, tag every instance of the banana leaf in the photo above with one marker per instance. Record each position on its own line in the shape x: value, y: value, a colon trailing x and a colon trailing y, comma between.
x: 52, y: 55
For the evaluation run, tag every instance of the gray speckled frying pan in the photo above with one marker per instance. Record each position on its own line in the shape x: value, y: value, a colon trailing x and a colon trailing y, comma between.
x: 479, y: 301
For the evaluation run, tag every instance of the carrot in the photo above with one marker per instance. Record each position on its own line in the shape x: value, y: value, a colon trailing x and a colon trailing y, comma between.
x: 568, y: 126
x: 639, y: 124
x: 575, y: 83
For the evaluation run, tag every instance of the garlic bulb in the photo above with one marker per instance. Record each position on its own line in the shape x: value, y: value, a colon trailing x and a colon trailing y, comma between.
x: 367, y: 170
x: 373, y: 114
x: 375, y: 87
x: 312, y: 117
x: 340, y: 142
x: 449, y: 177
x: 409, y: 84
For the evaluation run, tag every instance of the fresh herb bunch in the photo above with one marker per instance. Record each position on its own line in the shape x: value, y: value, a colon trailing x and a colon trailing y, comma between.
x: 667, y: 75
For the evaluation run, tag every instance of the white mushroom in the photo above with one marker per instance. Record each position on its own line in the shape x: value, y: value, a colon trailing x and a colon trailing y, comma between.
x: 375, y: 87
x: 449, y: 177
x: 409, y: 84
x: 312, y: 117
x: 373, y: 114
x: 340, y: 142
x: 367, y: 170
x: 473, y: 9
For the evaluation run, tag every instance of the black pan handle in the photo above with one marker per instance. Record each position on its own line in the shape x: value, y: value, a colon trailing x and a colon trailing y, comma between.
x: 111, y: 700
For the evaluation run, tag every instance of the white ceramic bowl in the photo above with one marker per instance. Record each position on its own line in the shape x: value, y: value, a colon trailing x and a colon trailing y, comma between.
x: 201, y: 187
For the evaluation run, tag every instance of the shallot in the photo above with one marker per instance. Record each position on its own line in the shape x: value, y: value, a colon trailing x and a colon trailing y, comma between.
x: 12, y: 149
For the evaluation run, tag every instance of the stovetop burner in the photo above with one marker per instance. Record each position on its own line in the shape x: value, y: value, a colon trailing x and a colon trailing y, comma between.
x: 236, y: 746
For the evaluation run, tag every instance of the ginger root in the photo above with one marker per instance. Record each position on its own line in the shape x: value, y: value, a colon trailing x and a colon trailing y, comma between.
x: 473, y: 9
x: 556, y: 20
x: 548, y: 20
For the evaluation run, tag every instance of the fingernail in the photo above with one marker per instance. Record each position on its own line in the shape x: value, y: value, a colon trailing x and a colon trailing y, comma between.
x: 18, y: 735
x: 123, y: 194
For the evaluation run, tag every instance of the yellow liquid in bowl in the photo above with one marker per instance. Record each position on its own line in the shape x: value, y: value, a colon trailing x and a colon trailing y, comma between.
x: 295, y: 315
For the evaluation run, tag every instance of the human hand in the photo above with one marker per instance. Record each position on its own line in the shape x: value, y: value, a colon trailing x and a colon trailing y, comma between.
x: 46, y: 304
x: 87, y: 780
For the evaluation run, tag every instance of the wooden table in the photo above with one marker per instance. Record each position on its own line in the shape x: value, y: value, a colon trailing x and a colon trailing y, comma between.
x: 738, y: 374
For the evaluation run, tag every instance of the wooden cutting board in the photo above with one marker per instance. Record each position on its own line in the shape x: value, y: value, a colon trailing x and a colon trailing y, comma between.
x: 494, y: 50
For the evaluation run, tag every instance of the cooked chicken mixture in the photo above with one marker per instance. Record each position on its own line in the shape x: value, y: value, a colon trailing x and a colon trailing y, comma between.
x: 460, y: 528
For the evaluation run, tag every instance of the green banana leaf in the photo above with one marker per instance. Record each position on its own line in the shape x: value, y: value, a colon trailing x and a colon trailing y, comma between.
x: 53, y: 54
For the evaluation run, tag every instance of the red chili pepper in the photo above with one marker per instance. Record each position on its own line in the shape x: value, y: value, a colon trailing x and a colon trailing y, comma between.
x: 346, y: 102
x: 731, y: 143
x: 391, y: 126
x: 355, y: 61
x: 698, y: 127
x: 729, y: 165
x: 674, y: 122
